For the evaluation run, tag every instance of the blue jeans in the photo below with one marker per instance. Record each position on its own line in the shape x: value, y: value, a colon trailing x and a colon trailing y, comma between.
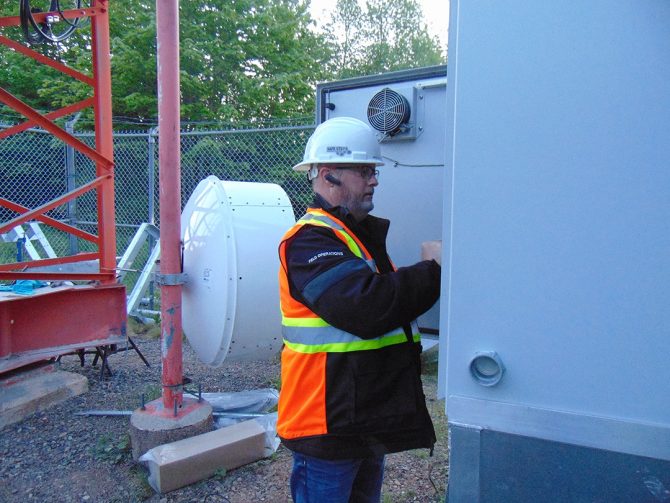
x: 316, y: 480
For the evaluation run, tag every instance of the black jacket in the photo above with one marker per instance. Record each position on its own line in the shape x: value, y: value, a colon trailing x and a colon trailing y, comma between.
x: 375, y: 402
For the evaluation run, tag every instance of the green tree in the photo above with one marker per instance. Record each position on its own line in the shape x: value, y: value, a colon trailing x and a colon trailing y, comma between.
x: 247, y: 60
x: 345, y: 28
x: 239, y: 60
x: 133, y: 33
x: 386, y: 35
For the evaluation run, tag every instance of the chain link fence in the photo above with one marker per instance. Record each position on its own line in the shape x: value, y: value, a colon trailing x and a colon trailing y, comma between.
x: 36, y: 167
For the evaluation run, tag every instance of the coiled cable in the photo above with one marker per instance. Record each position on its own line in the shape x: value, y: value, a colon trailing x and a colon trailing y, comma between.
x: 37, y: 33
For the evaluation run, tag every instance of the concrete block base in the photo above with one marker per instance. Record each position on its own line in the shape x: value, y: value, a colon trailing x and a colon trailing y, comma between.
x: 24, y: 392
x: 156, y: 425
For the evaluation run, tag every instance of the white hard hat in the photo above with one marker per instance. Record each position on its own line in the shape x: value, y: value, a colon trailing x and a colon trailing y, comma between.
x: 341, y: 140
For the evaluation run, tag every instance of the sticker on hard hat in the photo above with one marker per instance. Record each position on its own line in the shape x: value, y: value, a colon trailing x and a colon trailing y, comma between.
x: 339, y: 150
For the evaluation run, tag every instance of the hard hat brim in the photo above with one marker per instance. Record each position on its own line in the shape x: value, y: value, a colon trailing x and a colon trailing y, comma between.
x: 305, y: 165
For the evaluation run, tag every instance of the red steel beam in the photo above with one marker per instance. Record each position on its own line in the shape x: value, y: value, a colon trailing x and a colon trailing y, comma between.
x: 51, y: 221
x: 56, y: 65
x: 46, y: 262
x: 56, y: 276
x: 29, y: 215
x: 104, y: 139
x: 70, y: 109
x: 39, y: 326
x: 37, y: 118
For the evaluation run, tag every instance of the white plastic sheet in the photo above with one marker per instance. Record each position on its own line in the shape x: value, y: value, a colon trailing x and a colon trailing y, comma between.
x: 232, y: 407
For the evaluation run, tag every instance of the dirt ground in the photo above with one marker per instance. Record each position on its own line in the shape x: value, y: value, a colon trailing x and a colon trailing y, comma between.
x: 56, y: 455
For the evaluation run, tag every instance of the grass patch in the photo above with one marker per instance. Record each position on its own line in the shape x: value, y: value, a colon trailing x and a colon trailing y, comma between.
x: 133, y: 401
x: 152, y: 392
x: 141, y: 488
x: 112, y: 450
x: 136, y: 328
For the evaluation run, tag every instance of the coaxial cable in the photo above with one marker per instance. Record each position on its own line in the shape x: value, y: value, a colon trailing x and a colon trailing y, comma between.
x: 38, y: 32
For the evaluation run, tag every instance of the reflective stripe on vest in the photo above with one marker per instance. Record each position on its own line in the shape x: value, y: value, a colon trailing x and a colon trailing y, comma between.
x: 312, y: 334
x: 320, y: 337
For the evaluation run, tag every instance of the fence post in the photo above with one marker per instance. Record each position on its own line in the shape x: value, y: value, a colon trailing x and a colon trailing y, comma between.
x: 70, y: 182
x: 153, y: 132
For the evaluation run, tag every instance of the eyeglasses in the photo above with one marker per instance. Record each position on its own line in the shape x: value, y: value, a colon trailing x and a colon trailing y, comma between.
x: 366, y: 172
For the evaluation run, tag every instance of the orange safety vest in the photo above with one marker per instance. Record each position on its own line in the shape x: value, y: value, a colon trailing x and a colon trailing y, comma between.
x: 308, y: 339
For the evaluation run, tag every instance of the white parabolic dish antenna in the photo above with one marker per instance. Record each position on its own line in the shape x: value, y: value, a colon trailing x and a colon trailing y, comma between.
x: 230, y: 304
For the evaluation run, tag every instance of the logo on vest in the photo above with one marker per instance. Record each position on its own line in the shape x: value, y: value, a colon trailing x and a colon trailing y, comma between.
x: 326, y: 254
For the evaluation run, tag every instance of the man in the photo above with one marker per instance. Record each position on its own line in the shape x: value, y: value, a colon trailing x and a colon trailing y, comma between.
x: 351, y: 386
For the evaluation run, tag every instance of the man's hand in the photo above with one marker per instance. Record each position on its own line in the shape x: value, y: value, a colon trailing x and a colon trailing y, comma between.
x: 432, y: 250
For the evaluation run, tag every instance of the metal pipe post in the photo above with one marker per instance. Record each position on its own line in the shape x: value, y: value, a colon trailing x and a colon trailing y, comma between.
x: 104, y: 141
x: 167, y: 21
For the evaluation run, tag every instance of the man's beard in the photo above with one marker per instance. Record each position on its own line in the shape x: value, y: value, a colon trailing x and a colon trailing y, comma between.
x: 359, y: 209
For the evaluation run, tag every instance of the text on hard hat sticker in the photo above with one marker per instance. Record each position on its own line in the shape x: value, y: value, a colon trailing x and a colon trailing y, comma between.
x: 339, y: 150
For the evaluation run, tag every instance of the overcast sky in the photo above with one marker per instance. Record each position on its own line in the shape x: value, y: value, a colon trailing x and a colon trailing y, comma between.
x: 435, y: 12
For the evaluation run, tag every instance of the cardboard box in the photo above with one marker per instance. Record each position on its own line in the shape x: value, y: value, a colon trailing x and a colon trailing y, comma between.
x: 183, y: 462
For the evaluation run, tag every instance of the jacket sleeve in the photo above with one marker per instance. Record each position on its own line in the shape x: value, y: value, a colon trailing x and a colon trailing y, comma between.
x: 343, y: 290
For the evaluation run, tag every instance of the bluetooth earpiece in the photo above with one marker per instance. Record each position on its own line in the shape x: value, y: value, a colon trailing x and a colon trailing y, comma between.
x: 332, y: 179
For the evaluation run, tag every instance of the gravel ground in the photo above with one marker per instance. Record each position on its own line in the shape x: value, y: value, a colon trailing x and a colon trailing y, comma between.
x: 57, y: 456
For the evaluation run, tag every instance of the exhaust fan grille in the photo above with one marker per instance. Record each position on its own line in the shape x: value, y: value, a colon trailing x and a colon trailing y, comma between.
x: 388, y: 111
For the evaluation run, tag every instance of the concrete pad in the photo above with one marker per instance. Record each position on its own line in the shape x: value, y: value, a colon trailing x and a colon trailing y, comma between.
x: 156, y: 425
x: 24, y: 392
